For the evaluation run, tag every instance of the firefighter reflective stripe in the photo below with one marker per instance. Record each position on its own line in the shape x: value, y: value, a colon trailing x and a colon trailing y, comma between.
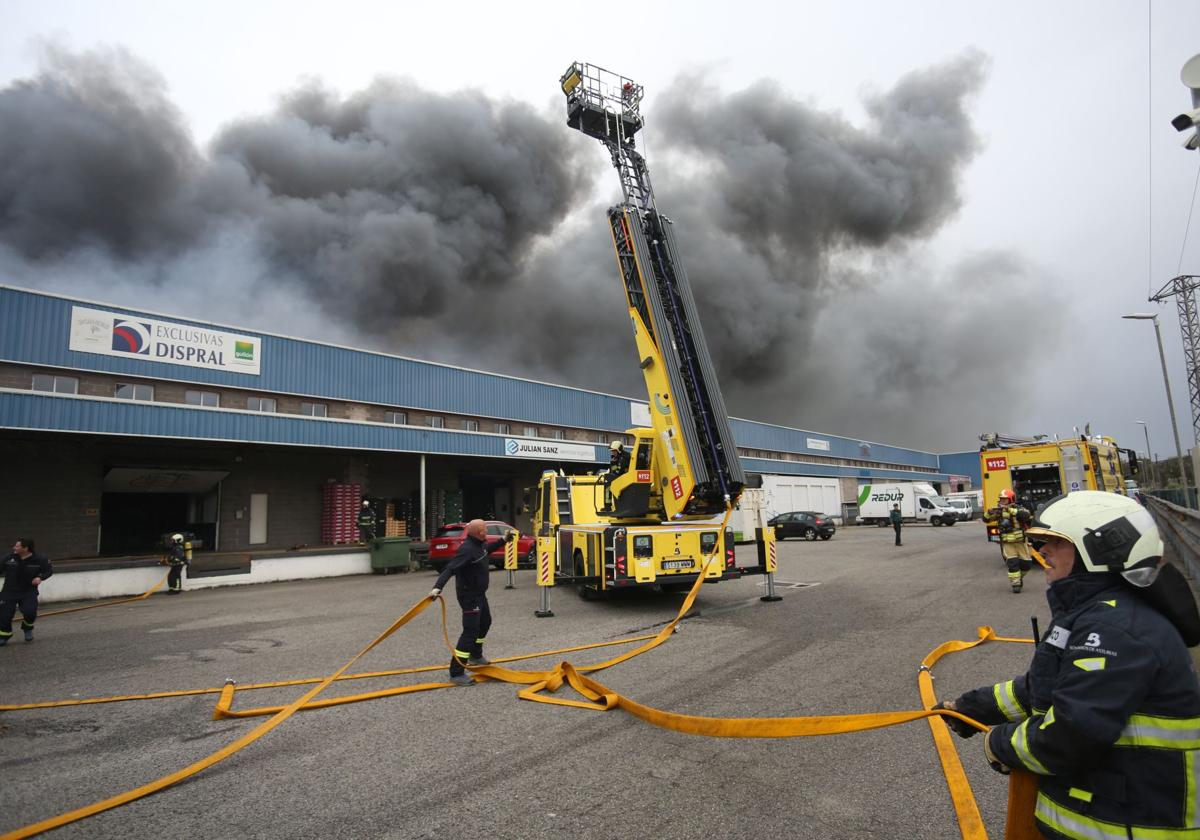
x: 4, y: 635
x: 480, y: 641
x: 1048, y: 719
x: 1161, y: 732
x: 1085, y: 795
x: 1095, y: 663
x: 1007, y: 702
x: 1075, y: 825
x: 1020, y: 744
x: 1193, y: 789
x: 461, y: 654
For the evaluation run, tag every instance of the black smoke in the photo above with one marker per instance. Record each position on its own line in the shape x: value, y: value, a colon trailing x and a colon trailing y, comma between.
x: 458, y: 228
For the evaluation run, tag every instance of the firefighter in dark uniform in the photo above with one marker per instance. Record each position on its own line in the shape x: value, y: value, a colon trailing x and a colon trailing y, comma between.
x: 618, y: 465
x: 23, y: 572
x: 1108, y: 714
x: 177, y: 559
x: 366, y: 523
x: 471, y: 570
x: 1012, y: 520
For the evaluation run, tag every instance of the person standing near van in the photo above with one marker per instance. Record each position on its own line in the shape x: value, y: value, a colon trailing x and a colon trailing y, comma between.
x: 897, y: 521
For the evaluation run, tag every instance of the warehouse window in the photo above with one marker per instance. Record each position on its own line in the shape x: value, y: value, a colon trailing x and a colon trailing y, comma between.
x: 126, y: 391
x: 436, y: 422
x: 555, y: 434
x: 312, y: 409
x: 210, y: 399
x: 471, y: 425
x: 530, y: 431
x: 396, y: 418
x: 260, y: 404
x: 55, y: 384
x: 503, y: 429
x: 601, y: 437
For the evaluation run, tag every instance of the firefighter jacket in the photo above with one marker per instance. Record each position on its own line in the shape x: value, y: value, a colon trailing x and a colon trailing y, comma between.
x: 366, y: 518
x: 470, y: 568
x: 19, y: 574
x: 1011, y: 521
x: 176, y: 555
x: 1108, y: 716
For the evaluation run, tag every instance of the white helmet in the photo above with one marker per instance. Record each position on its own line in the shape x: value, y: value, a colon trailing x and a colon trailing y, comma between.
x: 366, y: 503
x: 177, y: 537
x: 1110, y: 532
x: 615, y: 445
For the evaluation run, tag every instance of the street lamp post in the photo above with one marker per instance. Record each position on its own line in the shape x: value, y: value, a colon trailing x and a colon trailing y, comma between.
x: 1162, y: 358
x: 1149, y: 460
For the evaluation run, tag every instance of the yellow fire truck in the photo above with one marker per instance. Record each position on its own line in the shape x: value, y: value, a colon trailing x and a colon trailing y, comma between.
x: 1038, y: 469
x: 657, y: 518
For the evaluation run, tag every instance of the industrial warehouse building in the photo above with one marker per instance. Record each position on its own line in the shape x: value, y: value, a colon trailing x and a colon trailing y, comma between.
x: 117, y: 426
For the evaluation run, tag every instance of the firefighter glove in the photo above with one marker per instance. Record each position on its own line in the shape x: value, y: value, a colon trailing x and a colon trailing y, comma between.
x: 510, y: 536
x: 433, y: 593
x: 991, y: 757
x: 961, y: 728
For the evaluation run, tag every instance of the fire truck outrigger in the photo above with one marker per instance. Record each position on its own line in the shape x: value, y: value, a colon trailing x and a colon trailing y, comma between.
x: 659, y: 520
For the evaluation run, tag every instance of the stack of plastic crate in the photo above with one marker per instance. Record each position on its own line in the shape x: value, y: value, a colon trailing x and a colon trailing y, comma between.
x: 394, y: 526
x: 339, y: 513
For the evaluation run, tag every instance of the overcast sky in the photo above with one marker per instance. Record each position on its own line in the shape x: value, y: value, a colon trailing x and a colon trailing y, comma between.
x: 1059, y: 204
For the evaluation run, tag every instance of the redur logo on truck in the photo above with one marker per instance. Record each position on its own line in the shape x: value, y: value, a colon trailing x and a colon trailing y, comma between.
x: 866, y: 495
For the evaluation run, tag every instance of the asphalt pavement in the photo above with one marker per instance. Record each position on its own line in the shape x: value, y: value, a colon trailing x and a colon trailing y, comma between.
x: 857, y: 616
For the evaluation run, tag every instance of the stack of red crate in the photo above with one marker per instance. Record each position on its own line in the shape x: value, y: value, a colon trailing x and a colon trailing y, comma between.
x: 339, y: 513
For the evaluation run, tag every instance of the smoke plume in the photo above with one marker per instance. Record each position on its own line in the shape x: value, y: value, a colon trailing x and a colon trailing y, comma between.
x: 457, y: 228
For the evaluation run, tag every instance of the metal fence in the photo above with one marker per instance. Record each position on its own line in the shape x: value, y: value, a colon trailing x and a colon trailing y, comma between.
x: 1180, y: 529
x: 1175, y: 495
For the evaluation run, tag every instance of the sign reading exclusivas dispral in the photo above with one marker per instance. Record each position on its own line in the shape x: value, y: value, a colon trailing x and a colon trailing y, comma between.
x: 111, y: 334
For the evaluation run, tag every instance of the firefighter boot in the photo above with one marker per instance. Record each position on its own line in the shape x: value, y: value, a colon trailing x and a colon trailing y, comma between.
x: 462, y: 680
x: 1014, y: 578
x: 28, y: 628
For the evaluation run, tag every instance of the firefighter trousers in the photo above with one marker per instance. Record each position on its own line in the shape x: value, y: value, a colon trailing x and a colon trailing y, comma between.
x: 1018, y: 560
x: 476, y: 621
x: 175, y: 579
x: 28, y: 604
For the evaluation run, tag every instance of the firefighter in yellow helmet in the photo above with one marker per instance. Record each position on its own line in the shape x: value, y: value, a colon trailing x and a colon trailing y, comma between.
x: 1108, y: 713
x: 1012, y: 520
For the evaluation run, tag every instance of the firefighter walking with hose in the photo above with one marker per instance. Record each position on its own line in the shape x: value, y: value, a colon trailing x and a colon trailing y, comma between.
x: 1012, y: 520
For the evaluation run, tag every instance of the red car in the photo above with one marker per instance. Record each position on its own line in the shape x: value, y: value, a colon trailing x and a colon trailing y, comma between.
x: 445, y: 543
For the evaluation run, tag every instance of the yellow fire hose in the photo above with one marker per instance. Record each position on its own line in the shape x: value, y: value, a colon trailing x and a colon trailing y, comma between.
x: 597, y: 697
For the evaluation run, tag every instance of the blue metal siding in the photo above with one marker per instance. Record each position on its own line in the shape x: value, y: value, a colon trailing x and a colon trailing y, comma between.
x: 768, y: 467
x: 59, y: 413
x: 963, y: 463
x: 35, y: 329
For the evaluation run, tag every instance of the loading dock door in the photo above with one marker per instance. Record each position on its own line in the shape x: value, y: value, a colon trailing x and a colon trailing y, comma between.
x: 141, y: 504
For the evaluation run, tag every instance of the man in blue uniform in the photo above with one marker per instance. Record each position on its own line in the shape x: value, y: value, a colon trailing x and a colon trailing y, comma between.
x: 471, y: 570
x: 1108, y: 714
x: 177, y: 559
x: 23, y: 572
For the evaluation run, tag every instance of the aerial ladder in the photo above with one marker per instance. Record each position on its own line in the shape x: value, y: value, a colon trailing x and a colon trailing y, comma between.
x: 694, y: 457
x: 655, y: 516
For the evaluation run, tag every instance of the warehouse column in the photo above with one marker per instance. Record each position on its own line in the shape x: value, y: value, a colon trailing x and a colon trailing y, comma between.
x: 423, y: 538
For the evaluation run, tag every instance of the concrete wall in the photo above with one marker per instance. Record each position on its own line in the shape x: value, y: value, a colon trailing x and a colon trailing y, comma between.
x: 117, y: 583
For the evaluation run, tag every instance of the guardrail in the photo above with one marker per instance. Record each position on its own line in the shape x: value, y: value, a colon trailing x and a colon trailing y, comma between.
x: 1185, y: 496
x: 1180, y: 529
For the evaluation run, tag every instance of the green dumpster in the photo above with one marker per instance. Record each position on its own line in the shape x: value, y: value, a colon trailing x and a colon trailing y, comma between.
x: 389, y: 554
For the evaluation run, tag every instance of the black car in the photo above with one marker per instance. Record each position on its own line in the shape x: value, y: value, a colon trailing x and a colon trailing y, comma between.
x: 803, y: 523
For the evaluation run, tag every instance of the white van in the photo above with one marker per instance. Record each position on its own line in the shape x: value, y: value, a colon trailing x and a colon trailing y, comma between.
x: 918, y: 501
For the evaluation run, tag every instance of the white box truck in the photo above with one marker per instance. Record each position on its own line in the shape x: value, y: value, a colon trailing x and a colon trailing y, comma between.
x: 918, y: 501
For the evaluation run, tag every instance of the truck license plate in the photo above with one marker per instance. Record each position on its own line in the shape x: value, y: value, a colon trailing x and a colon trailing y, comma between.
x: 677, y: 564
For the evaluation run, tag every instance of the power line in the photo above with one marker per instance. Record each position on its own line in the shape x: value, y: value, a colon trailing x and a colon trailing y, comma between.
x: 1187, y: 228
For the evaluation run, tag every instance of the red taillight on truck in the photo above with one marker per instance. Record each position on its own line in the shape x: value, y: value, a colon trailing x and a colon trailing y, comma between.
x: 621, y: 564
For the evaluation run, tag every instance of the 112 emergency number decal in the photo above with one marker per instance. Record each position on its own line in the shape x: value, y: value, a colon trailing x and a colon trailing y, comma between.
x: 1000, y: 463
x: 643, y: 475
x: 677, y: 487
